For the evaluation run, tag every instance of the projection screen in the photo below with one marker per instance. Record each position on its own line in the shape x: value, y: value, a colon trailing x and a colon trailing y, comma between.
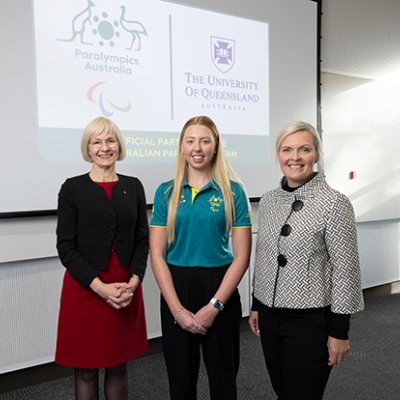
x: 149, y: 65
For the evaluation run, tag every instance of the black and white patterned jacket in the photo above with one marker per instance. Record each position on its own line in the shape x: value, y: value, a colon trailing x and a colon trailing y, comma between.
x: 321, y: 250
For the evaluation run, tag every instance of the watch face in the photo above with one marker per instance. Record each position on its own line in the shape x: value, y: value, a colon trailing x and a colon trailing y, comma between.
x: 218, y: 305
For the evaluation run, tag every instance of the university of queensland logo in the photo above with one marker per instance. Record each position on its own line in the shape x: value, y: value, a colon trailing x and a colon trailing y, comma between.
x: 223, y: 53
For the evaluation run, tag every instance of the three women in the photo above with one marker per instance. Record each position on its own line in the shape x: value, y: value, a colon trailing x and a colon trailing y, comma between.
x: 306, y: 281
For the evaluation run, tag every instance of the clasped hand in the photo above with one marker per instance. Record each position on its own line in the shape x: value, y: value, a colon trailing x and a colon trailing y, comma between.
x: 197, y: 323
x: 118, y: 294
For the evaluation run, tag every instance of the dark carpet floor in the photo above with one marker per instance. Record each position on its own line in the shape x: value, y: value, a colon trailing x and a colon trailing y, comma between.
x: 371, y: 371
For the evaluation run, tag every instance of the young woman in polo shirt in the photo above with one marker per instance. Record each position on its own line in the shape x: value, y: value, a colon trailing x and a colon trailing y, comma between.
x: 195, y: 268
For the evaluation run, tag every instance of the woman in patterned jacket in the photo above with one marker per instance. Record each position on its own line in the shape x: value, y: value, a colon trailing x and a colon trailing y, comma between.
x: 307, y: 275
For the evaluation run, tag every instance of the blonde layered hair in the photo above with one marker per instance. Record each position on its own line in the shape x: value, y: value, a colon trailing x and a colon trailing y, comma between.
x: 95, y: 128
x: 221, y: 172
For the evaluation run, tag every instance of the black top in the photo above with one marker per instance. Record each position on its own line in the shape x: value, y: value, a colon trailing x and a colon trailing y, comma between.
x: 89, y: 224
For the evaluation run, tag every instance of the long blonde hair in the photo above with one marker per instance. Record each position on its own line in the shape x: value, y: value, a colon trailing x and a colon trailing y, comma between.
x: 221, y: 172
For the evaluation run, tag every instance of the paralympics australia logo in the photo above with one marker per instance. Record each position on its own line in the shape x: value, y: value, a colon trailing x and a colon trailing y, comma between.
x: 223, y: 53
x: 97, y: 93
x: 100, y: 26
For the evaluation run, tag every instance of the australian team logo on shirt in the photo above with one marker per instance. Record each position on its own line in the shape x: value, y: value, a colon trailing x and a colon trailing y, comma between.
x: 215, y: 203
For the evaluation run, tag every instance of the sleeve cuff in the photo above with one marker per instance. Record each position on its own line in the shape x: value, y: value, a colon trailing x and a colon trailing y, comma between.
x: 339, y: 326
x: 256, y: 305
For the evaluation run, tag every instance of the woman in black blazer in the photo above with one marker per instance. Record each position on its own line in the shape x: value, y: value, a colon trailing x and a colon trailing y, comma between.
x: 102, y: 240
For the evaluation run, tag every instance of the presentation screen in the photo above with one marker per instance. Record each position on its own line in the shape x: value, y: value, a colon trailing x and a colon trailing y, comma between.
x: 149, y: 66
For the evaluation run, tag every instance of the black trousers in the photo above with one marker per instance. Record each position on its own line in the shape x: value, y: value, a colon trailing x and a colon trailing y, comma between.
x: 295, y: 350
x: 220, y: 346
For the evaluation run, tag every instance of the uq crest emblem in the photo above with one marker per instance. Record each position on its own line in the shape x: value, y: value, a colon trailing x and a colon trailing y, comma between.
x: 222, y: 53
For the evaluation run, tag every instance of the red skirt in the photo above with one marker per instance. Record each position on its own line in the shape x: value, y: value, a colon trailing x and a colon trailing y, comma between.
x: 92, y: 334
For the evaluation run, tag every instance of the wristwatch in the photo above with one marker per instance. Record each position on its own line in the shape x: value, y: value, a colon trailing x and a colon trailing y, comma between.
x: 218, y: 304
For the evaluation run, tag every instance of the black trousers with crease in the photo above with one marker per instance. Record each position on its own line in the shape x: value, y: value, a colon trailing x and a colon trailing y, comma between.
x: 295, y: 349
x: 220, y: 346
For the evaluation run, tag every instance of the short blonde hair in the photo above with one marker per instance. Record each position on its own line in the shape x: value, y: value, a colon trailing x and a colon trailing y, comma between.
x: 96, y: 127
x: 297, y: 126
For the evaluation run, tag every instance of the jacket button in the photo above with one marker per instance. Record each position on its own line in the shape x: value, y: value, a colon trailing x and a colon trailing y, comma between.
x: 282, y: 260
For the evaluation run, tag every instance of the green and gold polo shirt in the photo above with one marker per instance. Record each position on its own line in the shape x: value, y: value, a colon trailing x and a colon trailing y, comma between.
x: 200, y: 232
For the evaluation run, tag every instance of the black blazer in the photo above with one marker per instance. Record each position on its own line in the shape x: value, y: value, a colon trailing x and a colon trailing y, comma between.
x: 89, y: 223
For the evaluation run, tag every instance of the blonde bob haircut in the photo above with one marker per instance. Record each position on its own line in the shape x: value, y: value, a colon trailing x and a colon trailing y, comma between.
x: 297, y: 126
x: 97, y: 127
x: 221, y: 173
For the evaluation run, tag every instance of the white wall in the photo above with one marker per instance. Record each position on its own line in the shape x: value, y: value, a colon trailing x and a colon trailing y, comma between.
x: 360, y: 103
x: 360, y: 94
